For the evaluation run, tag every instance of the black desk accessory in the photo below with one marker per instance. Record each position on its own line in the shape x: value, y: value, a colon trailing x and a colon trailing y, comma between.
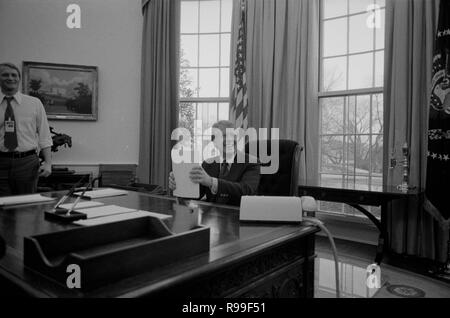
x: 2, y: 247
x: 110, y: 252
x: 67, y: 215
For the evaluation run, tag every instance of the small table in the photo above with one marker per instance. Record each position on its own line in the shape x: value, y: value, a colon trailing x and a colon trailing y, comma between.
x: 63, y: 180
x: 356, y: 198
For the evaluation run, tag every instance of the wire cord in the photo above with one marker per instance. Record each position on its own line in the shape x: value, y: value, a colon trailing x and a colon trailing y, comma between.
x: 333, y: 247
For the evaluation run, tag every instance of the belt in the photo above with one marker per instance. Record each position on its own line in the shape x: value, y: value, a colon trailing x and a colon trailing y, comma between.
x: 17, y: 154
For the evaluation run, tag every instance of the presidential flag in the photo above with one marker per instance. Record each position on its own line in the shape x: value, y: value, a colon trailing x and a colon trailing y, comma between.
x: 239, y: 104
x: 438, y: 162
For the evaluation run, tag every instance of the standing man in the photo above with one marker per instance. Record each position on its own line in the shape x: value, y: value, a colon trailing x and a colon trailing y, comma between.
x: 24, y: 131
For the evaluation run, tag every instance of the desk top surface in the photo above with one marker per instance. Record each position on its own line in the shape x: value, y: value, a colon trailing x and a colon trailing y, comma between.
x: 230, y: 240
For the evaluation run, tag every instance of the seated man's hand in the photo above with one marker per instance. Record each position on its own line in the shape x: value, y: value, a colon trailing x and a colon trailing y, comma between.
x: 172, y: 183
x: 198, y: 175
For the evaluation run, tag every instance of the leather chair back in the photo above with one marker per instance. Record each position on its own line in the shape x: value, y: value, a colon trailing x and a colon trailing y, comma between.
x: 285, y: 181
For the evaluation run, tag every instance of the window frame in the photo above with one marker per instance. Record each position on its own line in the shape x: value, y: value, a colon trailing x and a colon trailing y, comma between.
x: 205, y: 100
x: 346, y: 95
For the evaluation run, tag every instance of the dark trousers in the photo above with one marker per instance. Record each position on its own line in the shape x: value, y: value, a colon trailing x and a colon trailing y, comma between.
x: 18, y: 175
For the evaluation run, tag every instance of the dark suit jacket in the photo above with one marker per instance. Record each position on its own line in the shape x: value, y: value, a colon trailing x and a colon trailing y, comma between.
x: 242, y: 179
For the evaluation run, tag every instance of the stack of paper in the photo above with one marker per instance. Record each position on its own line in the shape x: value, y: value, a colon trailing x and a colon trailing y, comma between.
x: 102, y: 193
x: 104, y: 210
x: 119, y: 217
x: 81, y: 205
x: 24, y: 199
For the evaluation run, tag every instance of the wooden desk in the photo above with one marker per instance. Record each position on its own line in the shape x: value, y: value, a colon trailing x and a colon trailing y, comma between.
x: 356, y: 198
x: 245, y: 259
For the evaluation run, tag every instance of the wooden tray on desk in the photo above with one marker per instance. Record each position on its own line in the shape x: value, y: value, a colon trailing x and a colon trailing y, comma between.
x: 110, y: 252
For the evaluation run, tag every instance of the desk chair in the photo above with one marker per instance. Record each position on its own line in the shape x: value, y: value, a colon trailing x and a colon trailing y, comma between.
x: 285, y: 181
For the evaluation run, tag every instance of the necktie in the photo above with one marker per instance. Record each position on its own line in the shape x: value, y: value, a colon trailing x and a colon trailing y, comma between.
x: 224, y: 169
x: 10, y: 139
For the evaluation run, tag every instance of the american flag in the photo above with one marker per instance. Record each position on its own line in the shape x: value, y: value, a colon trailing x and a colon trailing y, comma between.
x: 239, y: 104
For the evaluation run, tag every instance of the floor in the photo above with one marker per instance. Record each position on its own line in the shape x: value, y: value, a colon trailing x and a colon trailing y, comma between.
x: 354, y: 259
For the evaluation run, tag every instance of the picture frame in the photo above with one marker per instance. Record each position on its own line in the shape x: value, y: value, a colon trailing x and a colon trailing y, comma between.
x: 68, y: 92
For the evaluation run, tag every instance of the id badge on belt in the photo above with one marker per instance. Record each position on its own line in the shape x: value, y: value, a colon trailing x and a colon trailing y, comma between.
x: 9, y: 126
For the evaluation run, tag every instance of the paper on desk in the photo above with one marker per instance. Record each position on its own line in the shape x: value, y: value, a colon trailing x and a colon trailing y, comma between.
x: 120, y: 217
x: 157, y: 215
x: 102, y: 193
x: 185, y: 187
x: 81, y: 205
x: 104, y: 210
x: 24, y: 199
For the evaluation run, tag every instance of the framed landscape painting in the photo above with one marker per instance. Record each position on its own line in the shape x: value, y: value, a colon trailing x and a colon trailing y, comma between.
x: 68, y: 92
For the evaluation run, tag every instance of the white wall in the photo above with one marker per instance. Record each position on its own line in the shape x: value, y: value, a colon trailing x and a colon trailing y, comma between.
x: 109, y: 38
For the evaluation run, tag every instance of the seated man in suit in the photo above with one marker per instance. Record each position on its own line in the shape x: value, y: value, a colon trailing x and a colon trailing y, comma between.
x: 223, y: 179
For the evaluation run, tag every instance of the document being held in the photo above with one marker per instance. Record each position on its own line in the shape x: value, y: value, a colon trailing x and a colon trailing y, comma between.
x: 185, y: 187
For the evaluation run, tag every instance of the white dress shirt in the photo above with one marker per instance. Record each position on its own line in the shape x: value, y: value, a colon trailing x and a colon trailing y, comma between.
x: 32, y: 127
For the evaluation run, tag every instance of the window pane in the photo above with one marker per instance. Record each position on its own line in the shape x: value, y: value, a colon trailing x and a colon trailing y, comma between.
x: 224, y: 111
x: 361, y: 183
x: 186, y: 116
x: 351, y: 115
x: 331, y: 180
x: 209, y: 82
x: 208, y: 114
x: 334, y: 8
x: 332, y: 115
x: 224, y: 82
x: 188, y: 82
x: 330, y: 206
x: 349, y: 154
x: 209, y: 50
x: 227, y: 9
x: 379, y: 69
x: 361, y: 37
x: 360, y: 71
x: 335, y: 37
x: 362, y: 158
x: 379, y: 33
x: 377, y: 154
x: 225, y: 50
x: 209, y: 16
x: 189, y: 50
x: 359, y: 5
x: 363, y: 114
x: 381, y: 3
x: 189, y: 17
x: 377, y: 114
x: 332, y: 154
x: 334, y: 74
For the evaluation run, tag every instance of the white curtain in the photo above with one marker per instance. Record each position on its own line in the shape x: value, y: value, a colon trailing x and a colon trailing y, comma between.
x: 410, y: 34
x: 282, y: 71
x: 159, y: 88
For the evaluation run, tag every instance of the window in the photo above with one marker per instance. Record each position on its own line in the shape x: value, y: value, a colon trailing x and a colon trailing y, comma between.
x: 204, y: 62
x: 351, y: 96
